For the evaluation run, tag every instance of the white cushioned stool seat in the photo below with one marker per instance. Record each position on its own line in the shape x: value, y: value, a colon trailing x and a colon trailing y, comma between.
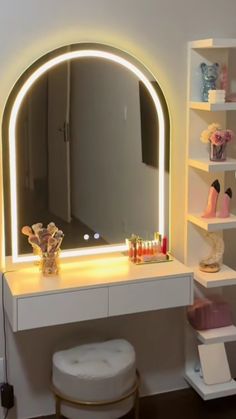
x: 100, y: 371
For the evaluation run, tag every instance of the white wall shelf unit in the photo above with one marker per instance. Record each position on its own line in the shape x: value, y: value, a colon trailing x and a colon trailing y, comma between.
x: 213, y: 43
x: 201, y: 172
x: 212, y: 166
x: 221, y: 334
x: 226, y: 276
x: 212, y: 224
x: 213, y: 107
x: 209, y: 392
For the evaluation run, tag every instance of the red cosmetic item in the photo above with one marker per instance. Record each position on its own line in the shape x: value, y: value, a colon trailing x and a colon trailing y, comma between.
x: 151, y: 249
x: 144, y: 249
x: 164, y: 245
x: 134, y: 252
x: 130, y: 252
x: 140, y: 249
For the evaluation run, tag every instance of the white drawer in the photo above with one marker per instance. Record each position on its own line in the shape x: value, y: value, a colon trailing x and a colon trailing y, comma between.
x: 60, y: 308
x: 150, y: 295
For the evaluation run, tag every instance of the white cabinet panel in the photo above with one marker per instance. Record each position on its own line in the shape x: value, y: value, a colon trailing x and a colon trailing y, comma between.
x: 94, y: 289
x: 149, y: 295
x: 67, y: 307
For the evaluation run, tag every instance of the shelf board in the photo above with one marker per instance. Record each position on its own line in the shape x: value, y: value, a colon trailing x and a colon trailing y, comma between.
x: 213, y: 224
x: 226, y: 276
x: 212, y: 166
x: 206, y: 106
x: 221, y: 334
x: 214, y: 43
x: 208, y: 392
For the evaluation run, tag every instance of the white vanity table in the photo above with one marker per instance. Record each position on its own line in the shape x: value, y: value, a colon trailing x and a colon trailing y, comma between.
x: 92, y: 289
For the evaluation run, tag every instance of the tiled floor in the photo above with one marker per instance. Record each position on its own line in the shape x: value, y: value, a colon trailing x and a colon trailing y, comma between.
x: 184, y: 404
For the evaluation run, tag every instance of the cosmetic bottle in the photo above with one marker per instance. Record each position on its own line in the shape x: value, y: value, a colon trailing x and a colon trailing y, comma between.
x: 157, y: 237
x: 144, y: 248
x: 135, y: 251
x: 164, y: 245
x: 130, y: 248
x: 139, y: 250
x: 152, y: 247
x: 155, y: 247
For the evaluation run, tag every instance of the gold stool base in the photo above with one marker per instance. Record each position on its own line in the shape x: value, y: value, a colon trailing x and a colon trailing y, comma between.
x: 60, y: 397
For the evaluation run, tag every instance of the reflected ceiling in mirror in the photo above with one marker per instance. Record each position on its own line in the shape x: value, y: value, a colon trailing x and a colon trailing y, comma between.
x: 86, y: 131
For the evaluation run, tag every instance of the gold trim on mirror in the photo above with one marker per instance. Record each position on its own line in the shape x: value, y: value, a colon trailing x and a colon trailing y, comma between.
x: 80, y: 53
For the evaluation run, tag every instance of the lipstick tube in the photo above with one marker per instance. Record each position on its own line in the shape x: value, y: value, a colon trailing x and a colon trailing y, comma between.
x: 164, y: 245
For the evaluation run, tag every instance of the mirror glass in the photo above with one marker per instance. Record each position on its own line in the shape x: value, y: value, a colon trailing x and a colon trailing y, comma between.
x: 87, y: 153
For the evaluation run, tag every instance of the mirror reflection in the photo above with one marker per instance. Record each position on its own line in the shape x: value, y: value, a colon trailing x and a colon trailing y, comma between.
x: 87, y: 155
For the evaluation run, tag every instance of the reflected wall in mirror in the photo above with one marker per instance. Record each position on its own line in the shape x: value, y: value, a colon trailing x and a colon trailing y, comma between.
x: 87, y: 146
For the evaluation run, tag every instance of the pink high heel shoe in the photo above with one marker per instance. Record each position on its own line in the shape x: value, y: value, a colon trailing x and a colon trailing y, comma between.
x: 214, y: 191
x: 224, y: 212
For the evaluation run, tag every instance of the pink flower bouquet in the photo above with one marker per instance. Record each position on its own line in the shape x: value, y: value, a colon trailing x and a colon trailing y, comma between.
x: 216, y: 135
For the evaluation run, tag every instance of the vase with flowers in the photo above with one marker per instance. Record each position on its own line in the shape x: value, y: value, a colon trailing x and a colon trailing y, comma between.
x: 218, y: 139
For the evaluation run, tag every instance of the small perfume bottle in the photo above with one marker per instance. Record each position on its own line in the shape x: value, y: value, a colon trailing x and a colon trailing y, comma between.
x: 139, y: 250
x: 130, y: 253
x: 144, y: 248
x: 152, y: 247
x: 157, y: 238
x: 132, y: 248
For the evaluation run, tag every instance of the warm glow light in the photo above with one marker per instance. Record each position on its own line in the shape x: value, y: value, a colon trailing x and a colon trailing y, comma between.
x: 98, y: 250
x: 12, y: 148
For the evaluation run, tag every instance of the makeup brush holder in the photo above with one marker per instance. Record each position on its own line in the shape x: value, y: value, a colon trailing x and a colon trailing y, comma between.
x: 49, y: 264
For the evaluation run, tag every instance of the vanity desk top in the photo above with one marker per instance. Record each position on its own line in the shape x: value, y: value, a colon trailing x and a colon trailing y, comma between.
x: 94, y: 288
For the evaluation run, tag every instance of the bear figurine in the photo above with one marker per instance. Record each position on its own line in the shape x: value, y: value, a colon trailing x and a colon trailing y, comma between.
x: 209, y: 78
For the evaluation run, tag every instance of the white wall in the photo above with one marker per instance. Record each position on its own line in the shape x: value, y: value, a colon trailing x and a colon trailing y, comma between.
x: 113, y: 192
x: 156, y: 31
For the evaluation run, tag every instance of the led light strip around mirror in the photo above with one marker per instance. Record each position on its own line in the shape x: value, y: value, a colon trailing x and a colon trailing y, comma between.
x: 12, y: 148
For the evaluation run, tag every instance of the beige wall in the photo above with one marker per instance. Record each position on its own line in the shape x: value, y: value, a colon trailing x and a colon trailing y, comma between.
x: 156, y: 31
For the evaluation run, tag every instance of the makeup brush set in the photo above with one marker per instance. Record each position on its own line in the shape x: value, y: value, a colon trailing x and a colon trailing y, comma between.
x: 44, y: 240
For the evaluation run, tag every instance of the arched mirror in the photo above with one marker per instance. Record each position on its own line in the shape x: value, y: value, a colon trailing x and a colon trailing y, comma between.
x: 86, y: 145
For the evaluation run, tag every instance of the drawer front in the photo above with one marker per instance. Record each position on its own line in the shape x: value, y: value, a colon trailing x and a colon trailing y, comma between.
x: 61, y: 308
x: 150, y: 295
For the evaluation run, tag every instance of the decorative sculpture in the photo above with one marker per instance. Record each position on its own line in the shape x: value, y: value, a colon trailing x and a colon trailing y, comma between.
x: 209, y: 78
x: 212, y: 263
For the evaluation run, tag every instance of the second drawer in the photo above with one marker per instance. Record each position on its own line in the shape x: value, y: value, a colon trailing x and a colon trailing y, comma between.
x: 150, y: 295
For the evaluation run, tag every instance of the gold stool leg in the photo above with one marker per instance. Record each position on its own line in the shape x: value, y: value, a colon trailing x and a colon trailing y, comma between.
x: 58, y: 408
x: 136, y: 406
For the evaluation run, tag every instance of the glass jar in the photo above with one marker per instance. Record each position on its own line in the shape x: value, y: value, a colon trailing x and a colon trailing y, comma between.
x: 49, y: 264
x: 217, y: 152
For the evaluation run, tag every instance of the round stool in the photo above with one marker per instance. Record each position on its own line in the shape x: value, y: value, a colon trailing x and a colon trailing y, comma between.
x: 95, y: 381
